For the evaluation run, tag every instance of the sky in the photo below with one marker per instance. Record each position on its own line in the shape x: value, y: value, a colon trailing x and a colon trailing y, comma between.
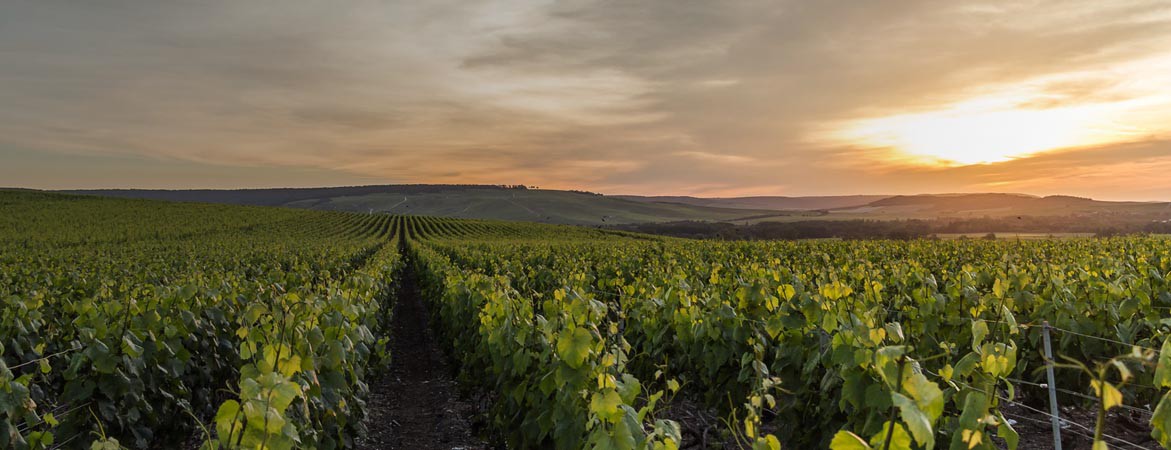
x: 671, y: 97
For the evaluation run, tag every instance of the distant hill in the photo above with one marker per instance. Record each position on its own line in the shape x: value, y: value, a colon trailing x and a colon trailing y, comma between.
x: 466, y: 201
x: 995, y: 205
x: 776, y: 203
x: 276, y: 196
x: 585, y: 208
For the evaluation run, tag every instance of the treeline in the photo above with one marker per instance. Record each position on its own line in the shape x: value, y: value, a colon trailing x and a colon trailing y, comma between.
x: 902, y: 229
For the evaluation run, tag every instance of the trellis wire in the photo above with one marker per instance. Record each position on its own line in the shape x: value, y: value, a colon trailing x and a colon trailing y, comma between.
x: 1043, y: 413
x: 37, y: 360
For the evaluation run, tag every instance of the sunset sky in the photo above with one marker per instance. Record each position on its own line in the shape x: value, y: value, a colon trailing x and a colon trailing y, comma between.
x: 713, y: 98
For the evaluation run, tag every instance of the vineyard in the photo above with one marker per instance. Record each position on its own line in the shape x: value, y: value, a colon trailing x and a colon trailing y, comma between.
x: 142, y: 324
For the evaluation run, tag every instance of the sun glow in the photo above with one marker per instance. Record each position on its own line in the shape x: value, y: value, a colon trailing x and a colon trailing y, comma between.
x: 1046, y: 114
x: 971, y: 134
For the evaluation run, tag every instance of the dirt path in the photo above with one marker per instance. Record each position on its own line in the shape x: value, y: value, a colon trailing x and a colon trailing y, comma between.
x: 404, y: 200
x: 416, y: 405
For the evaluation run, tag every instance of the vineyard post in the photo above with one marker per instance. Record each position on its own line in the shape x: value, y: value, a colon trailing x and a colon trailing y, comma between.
x: 1053, y: 410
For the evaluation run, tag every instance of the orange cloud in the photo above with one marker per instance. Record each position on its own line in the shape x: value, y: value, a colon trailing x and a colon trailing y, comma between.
x: 654, y: 96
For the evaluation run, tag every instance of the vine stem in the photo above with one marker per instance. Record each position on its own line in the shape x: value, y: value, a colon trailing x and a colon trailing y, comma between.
x: 890, y: 431
x: 1101, y: 422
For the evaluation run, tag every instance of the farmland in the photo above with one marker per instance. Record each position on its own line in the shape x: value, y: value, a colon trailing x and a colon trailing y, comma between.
x: 466, y: 202
x: 147, y: 324
x: 985, y: 212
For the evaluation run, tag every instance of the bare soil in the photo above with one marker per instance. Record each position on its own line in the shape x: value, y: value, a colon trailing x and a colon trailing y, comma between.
x: 416, y: 404
x: 1127, y: 429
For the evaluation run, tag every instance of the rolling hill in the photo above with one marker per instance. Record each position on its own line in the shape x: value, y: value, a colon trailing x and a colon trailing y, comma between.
x: 995, y: 205
x: 465, y: 201
x: 776, y: 203
x: 585, y: 208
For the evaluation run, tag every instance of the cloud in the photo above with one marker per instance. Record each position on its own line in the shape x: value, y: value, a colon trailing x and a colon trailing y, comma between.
x: 1130, y: 171
x: 716, y: 158
x: 654, y: 96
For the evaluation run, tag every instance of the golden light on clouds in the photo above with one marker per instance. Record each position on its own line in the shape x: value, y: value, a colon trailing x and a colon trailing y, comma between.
x: 649, y: 97
x: 968, y: 135
x: 1109, y: 106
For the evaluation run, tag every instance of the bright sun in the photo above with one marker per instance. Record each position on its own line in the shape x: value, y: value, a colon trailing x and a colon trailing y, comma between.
x: 1008, y: 124
x: 969, y: 134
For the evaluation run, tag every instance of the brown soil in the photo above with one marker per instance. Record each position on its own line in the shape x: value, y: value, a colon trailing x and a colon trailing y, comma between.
x: 703, y: 428
x: 700, y: 426
x: 415, y: 405
x: 1036, y: 430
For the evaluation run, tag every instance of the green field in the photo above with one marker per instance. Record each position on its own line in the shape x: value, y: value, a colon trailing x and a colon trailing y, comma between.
x: 581, y: 208
x: 146, y: 324
x: 469, y: 202
x: 1014, y: 236
x: 528, y: 205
